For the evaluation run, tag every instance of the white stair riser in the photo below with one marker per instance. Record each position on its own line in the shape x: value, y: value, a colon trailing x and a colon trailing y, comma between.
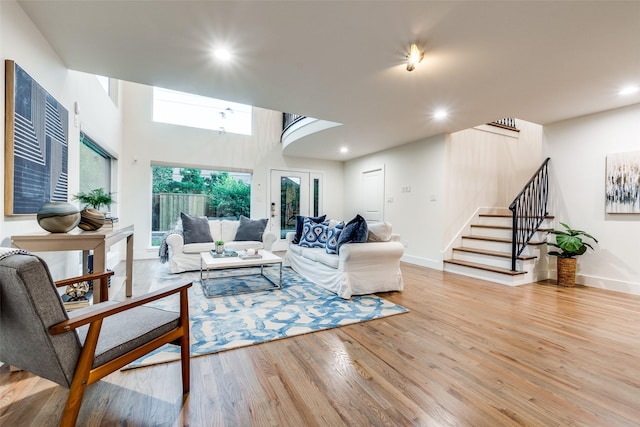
x: 490, y: 276
x: 485, y: 259
x: 508, y: 221
x: 503, y: 233
x: 486, y: 245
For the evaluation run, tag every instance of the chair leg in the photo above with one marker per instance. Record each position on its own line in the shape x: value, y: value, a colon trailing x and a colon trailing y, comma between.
x: 72, y: 407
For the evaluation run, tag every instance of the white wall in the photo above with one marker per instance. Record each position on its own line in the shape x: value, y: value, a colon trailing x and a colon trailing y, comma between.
x: 414, y: 215
x: 578, y: 149
x: 147, y: 143
x: 487, y: 170
x: 22, y: 42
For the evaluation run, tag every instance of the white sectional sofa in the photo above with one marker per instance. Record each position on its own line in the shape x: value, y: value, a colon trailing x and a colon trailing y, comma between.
x: 358, y: 268
x: 186, y: 257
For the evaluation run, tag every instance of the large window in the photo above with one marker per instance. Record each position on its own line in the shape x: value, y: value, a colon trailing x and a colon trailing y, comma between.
x: 95, y: 166
x: 214, y: 194
x: 196, y: 111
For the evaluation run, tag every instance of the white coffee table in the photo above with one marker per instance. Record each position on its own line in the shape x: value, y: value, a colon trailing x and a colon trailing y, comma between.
x: 208, y: 262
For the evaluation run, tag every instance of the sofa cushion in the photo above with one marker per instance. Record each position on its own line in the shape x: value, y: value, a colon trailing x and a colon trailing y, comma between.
x: 379, y: 231
x: 250, y: 229
x: 330, y: 260
x: 332, y: 238
x: 195, y: 229
x: 300, y: 225
x: 214, y: 228
x: 355, y: 231
x: 196, y: 248
x: 228, y: 229
x: 314, y: 235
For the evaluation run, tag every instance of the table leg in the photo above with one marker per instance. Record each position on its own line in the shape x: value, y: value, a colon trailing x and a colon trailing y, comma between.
x: 100, y: 293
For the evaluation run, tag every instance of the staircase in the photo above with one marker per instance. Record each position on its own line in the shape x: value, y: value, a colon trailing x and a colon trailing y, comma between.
x: 485, y: 251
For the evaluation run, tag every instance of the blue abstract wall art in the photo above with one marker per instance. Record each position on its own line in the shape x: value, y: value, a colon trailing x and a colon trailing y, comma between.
x: 36, y: 144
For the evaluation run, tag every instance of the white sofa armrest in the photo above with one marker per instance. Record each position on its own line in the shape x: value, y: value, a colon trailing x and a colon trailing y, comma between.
x: 175, y: 242
x: 268, y: 238
x: 289, y: 237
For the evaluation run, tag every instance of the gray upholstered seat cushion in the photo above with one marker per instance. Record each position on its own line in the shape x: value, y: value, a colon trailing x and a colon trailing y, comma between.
x: 127, y: 330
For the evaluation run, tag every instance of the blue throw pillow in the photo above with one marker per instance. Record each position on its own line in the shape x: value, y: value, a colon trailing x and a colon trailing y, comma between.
x: 300, y: 225
x: 332, y: 238
x: 250, y: 229
x: 195, y: 229
x: 355, y: 231
x: 314, y: 235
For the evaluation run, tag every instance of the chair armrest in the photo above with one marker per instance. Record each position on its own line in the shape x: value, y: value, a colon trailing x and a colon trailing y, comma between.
x: 106, y: 310
x: 92, y: 276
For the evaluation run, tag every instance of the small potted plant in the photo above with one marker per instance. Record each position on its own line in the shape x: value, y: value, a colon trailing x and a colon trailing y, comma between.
x: 569, y: 244
x: 219, y: 247
x: 91, y: 218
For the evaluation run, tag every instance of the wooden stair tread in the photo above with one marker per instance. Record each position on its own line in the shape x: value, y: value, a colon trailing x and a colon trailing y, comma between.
x: 505, y: 227
x: 507, y: 214
x: 494, y: 253
x: 498, y: 239
x: 485, y: 267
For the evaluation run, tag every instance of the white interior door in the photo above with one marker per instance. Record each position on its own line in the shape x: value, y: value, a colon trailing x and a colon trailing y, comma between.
x: 373, y: 194
x: 290, y: 196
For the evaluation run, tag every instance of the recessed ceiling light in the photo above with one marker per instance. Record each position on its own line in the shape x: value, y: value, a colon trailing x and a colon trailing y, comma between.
x: 628, y: 90
x: 223, y: 54
x: 344, y: 150
x: 440, y: 114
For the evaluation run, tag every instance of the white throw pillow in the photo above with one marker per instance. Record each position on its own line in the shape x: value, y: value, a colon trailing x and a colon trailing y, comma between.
x: 379, y: 231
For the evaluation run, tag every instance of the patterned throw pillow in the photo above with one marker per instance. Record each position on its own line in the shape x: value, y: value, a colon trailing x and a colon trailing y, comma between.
x: 300, y: 225
x: 314, y: 235
x: 332, y: 238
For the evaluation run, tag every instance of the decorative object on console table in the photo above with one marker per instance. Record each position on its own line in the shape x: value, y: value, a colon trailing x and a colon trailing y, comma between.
x: 93, y: 219
x: 58, y: 217
x: 36, y: 144
x: 111, y: 221
x: 570, y: 244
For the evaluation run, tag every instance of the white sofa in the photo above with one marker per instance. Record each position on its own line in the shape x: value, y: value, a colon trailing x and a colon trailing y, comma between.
x: 187, y: 257
x: 358, y: 269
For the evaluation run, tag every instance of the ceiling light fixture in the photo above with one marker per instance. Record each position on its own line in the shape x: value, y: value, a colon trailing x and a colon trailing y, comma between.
x: 440, y: 114
x: 344, y: 150
x: 629, y: 90
x: 414, y: 57
x: 222, y: 54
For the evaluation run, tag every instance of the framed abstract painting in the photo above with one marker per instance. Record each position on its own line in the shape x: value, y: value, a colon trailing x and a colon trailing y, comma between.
x: 622, y: 187
x: 36, y: 144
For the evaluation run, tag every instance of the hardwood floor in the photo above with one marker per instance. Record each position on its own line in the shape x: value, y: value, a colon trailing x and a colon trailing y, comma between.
x: 468, y: 353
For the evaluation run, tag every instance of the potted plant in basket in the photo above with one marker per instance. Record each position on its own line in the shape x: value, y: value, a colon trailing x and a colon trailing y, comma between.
x: 92, y: 218
x: 569, y: 244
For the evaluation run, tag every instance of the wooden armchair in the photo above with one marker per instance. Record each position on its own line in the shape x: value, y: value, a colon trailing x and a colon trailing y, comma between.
x: 79, y: 348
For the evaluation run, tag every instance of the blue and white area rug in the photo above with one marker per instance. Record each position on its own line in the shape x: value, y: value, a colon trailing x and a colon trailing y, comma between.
x: 233, y: 321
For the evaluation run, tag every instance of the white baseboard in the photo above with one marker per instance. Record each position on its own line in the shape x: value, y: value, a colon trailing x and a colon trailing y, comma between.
x: 609, y: 284
x: 424, y: 262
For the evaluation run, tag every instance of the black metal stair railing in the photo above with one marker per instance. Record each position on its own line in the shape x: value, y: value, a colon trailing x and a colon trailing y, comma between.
x: 289, y: 119
x: 529, y: 209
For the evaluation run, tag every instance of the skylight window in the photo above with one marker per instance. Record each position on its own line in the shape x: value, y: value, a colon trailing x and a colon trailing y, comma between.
x: 185, y: 109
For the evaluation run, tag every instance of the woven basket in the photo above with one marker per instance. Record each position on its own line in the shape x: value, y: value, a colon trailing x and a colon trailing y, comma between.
x: 566, y: 272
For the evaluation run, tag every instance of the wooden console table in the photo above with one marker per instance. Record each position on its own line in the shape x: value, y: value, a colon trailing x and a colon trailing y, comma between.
x: 77, y: 239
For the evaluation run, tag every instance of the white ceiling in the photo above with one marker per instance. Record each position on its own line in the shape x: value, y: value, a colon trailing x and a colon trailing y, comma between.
x: 343, y: 61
